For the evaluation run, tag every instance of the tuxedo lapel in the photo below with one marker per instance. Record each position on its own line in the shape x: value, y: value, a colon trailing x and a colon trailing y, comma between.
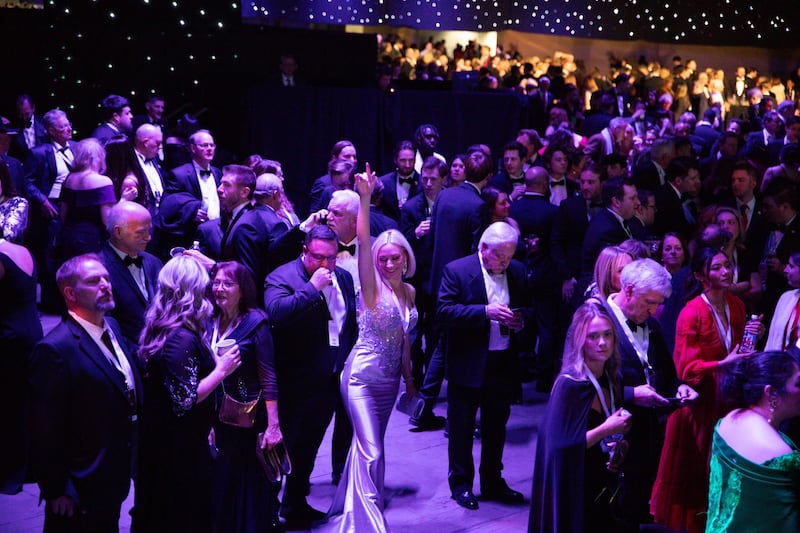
x: 122, y: 272
x: 87, y: 345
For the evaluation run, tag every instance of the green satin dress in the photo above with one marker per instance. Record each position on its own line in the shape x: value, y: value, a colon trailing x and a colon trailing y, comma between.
x: 745, y: 496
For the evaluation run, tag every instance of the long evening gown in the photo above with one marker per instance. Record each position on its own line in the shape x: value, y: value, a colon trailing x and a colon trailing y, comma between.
x: 369, y: 388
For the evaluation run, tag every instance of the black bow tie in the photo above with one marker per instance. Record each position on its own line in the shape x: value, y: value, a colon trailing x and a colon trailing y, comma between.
x: 559, y: 183
x: 349, y: 249
x: 633, y: 325
x: 205, y: 173
x: 517, y: 180
x: 409, y: 180
x: 128, y: 260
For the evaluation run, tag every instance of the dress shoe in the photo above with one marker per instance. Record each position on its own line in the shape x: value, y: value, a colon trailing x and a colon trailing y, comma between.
x: 502, y: 493
x: 466, y: 499
x: 427, y: 421
x: 302, y: 518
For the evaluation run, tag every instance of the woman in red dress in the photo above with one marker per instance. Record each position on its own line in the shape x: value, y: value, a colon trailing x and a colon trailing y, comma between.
x: 708, y: 335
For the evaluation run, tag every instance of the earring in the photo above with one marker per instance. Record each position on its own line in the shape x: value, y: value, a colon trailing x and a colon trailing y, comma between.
x: 405, y: 267
x: 773, y: 403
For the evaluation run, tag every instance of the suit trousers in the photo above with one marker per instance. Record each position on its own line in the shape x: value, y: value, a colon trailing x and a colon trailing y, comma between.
x: 494, y: 400
x: 102, y: 518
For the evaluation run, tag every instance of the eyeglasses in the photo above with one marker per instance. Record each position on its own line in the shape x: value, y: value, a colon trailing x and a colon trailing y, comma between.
x: 223, y: 284
x: 320, y: 258
x: 206, y: 145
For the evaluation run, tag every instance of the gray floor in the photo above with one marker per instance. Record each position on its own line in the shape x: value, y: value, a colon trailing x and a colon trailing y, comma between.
x: 418, y: 498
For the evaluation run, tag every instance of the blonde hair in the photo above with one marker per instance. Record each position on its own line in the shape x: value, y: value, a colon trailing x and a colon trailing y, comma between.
x: 392, y: 236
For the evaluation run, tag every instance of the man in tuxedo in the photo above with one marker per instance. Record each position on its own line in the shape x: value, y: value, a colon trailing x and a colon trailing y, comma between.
x: 539, y: 103
x: 415, y: 224
x: 511, y: 180
x: 14, y: 165
x: 530, y: 140
x: 482, y: 304
x: 744, y: 181
x: 780, y: 203
x: 673, y: 208
x: 772, y: 124
x: 312, y: 306
x: 651, y: 174
x: 340, y: 176
x: 426, y: 139
x: 85, y: 396
x: 46, y: 167
x: 608, y: 227
x: 342, y: 212
x: 648, y: 377
x: 341, y: 151
x: 284, y: 240
x: 31, y: 128
x: 402, y: 183
x: 154, y: 114
x: 146, y: 145
x: 133, y: 273
x: 118, y: 116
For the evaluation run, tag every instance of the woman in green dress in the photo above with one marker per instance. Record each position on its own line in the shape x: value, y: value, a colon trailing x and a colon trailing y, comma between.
x: 755, y: 469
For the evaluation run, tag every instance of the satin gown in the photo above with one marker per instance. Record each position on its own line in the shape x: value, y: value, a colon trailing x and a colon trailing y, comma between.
x: 369, y: 385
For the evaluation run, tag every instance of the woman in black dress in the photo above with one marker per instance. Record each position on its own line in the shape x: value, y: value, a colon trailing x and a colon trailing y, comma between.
x: 244, y: 500
x: 20, y: 329
x: 174, y: 490
x: 573, y: 479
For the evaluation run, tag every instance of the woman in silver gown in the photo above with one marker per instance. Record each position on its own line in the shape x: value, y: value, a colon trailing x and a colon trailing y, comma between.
x: 372, y: 372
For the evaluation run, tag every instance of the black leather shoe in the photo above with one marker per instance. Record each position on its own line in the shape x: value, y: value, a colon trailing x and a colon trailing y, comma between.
x: 466, y: 499
x: 302, y: 518
x: 427, y: 422
x: 502, y: 493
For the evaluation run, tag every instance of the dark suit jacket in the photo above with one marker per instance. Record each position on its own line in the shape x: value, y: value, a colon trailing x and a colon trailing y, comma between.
x: 536, y: 216
x: 502, y: 181
x: 19, y: 148
x: 184, y: 179
x: 670, y: 215
x: 646, y: 177
x: 17, y: 174
x: 709, y: 136
x: 299, y: 318
x: 415, y: 211
x: 569, y: 230
x: 81, y: 435
x: 246, y: 240
x: 131, y: 304
x: 103, y: 133
x: 776, y: 281
x: 209, y: 236
x: 595, y: 123
x: 380, y: 222
x: 461, y: 310
x: 282, y: 243
x: 390, y: 205
x: 315, y: 201
x: 41, y: 171
x: 455, y: 227
x: 603, y: 230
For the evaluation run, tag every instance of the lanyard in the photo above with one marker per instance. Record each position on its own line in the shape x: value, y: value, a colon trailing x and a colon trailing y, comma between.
x: 600, y: 391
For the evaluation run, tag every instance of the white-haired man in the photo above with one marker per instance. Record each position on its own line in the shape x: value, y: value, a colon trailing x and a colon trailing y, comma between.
x: 483, y: 300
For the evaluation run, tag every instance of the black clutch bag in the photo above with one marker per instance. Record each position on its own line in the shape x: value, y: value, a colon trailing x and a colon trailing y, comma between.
x: 274, y: 462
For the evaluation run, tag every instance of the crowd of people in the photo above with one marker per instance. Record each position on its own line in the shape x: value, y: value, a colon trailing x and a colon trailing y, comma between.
x: 641, y: 265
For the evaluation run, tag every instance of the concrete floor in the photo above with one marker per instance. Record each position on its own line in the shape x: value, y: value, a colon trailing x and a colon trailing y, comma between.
x: 418, y: 497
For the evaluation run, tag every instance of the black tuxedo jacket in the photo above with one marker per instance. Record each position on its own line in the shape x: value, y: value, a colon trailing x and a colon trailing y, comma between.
x: 282, y: 242
x: 604, y: 230
x: 502, y: 181
x: 245, y: 240
x: 709, y: 136
x: 209, y: 236
x: 81, y: 434
x: 461, y: 310
x: 455, y: 227
x: 299, y: 317
x: 646, y: 177
x: 390, y: 205
x: 670, y: 215
x: 315, y: 200
x: 131, y: 304
x: 569, y: 230
x: 413, y: 213
x: 536, y: 216
x: 19, y: 148
x: 103, y: 133
x: 41, y: 171
x: 184, y: 179
x: 16, y: 173
x: 380, y: 222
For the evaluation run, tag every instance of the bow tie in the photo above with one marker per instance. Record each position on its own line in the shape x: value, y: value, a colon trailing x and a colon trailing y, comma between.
x: 517, y: 180
x: 349, y: 249
x: 559, y: 183
x: 205, y: 173
x: 633, y: 325
x: 128, y: 260
x: 408, y: 181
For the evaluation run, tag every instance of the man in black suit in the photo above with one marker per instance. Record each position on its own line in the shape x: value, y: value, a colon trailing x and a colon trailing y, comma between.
x: 608, y: 227
x: 340, y: 177
x: 31, y: 128
x: 402, y: 183
x: 651, y: 174
x: 154, y: 114
x: 707, y: 129
x: 426, y: 139
x: 792, y: 137
x: 569, y: 228
x: 14, y: 165
x: 284, y: 240
x: 673, y: 207
x: 118, y: 118
x: 46, y: 167
x: 415, y: 224
x: 539, y: 104
x: 780, y: 202
x: 744, y: 181
x: 132, y: 271
x: 511, y: 179
x: 648, y: 377
x: 311, y: 303
x: 85, y: 396
x: 341, y: 151
x: 530, y: 140
x: 146, y: 145
x: 483, y: 301
x: 599, y: 119
x: 772, y: 124
x: 378, y: 220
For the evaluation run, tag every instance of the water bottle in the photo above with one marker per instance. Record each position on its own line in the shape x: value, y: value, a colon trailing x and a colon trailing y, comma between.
x: 749, y: 339
x: 196, y: 245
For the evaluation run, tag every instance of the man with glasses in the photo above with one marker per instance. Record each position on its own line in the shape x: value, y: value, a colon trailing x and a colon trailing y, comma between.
x: 198, y: 178
x: 312, y: 307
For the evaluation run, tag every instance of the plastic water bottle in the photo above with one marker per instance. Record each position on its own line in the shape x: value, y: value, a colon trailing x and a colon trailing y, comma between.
x: 749, y: 339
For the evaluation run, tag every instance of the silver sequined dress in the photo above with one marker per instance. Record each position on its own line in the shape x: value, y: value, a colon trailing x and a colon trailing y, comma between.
x: 369, y: 387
